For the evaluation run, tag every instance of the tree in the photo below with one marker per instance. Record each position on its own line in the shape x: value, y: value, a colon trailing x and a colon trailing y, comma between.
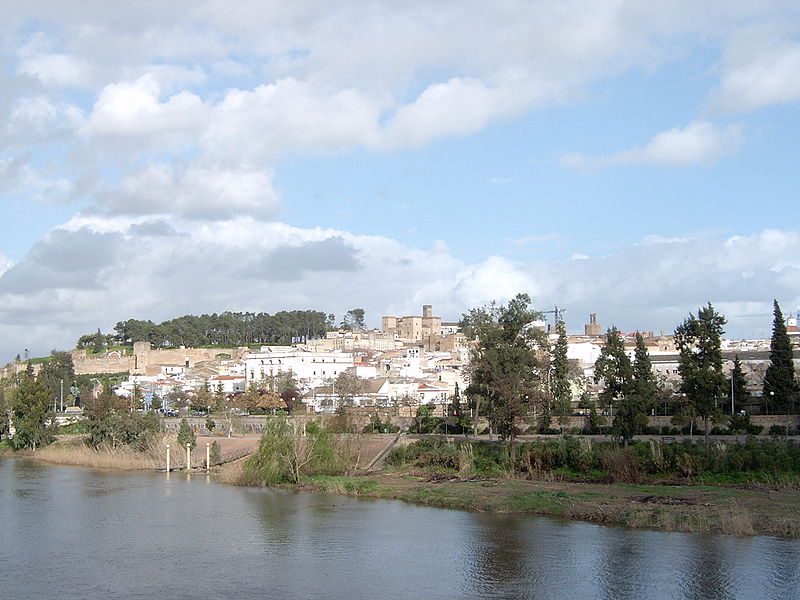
x: 186, y: 435
x: 4, y: 409
x: 738, y: 393
x: 287, y: 389
x: 645, y: 386
x: 110, y: 422
x: 32, y: 415
x: 780, y: 388
x: 348, y: 385
x: 507, y: 363
x: 353, y: 319
x: 57, y: 371
x: 560, y: 386
x: 614, y: 369
x: 98, y: 343
x: 700, y: 361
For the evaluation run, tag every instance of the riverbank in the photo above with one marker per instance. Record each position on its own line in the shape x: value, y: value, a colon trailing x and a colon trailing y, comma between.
x: 727, y: 509
x: 751, y: 508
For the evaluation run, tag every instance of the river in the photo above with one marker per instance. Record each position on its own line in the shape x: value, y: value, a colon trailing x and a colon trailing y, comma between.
x: 68, y: 532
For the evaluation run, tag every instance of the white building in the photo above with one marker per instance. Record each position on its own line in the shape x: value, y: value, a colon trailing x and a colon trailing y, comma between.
x: 310, y: 366
x: 229, y: 384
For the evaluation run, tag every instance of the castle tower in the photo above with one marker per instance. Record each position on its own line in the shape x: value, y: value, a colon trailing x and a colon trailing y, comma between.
x: 593, y: 327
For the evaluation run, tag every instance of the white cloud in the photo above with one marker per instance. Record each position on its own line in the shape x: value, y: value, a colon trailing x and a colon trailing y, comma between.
x: 134, y: 109
x: 698, y: 143
x: 192, y: 266
x: 459, y: 106
x: 17, y: 176
x: 760, y: 69
x: 56, y: 69
x: 197, y: 191
x: 289, y: 116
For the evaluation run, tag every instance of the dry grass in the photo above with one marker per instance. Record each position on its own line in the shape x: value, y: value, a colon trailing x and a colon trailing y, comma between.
x: 232, y: 473
x: 77, y: 453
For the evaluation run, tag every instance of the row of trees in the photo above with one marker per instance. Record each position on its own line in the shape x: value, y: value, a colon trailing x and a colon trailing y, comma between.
x: 515, y: 372
x: 224, y: 329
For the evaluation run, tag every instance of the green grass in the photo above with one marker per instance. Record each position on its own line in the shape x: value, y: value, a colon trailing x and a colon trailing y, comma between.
x: 546, y: 501
x: 39, y: 360
x: 444, y: 497
x: 72, y: 428
x: 358, y: 486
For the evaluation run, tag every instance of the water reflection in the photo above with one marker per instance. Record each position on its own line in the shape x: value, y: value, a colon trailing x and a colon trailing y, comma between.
x: 156, y: 535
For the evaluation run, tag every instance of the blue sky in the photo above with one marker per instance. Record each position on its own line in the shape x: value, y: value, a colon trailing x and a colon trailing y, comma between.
x: 631, y: 159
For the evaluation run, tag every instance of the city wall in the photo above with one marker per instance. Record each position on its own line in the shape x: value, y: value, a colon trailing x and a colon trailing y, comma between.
x: 148, y: 361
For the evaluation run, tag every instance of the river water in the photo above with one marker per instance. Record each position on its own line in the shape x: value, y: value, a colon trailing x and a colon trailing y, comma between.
x: 69, y: 532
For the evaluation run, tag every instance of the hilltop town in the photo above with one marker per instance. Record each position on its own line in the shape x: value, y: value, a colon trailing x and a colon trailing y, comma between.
x: 410, y: 361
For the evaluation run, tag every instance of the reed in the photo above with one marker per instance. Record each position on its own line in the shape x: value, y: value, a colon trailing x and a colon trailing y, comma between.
x: 123, y: 458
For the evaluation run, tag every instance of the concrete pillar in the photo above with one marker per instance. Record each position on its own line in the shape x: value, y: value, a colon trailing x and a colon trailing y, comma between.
x: 168, y: 450
x: 188, y: 456
x: 208, y: 456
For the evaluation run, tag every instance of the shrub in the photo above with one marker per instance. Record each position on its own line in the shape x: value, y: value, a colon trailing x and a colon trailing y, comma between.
x: 216, y: 453
x: 621, y: 465
x: 186, y: 435
x: 777, y: 430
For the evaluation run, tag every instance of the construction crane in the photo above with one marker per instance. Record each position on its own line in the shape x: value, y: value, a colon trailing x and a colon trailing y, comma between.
x: 557, y: 314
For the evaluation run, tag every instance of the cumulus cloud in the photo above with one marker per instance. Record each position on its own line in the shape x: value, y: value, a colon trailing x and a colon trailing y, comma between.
x: 289, y: 116
x: 96, y: 270
x: 56, y: 69
x: 291, y: 263
x: 18, y: 175
x: 760, y: 69
x: 698, y: 143
x: 62, y: 260
x: 135, y: 109
x: 195, y: 191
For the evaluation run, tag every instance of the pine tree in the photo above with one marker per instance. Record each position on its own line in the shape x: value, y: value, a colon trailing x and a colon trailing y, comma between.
x: 780, y: 388
x: 700, y: 361
x: 614, y: 369
x: 505, y: 369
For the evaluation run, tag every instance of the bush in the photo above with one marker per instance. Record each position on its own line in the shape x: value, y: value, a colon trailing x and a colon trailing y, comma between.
x: 777, y: 430
x: 216, y: 453
x: 621, y: 465
x: 186, y: 435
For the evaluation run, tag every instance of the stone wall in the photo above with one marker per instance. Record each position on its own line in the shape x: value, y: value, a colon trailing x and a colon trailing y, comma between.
x: 148, y: 361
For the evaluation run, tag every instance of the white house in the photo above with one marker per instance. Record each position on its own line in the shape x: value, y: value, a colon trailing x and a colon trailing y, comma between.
x: 312, y: 366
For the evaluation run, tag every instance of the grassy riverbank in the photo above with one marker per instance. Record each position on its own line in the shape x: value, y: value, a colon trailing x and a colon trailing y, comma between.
x: 746, y: 489
x: 729, y: 509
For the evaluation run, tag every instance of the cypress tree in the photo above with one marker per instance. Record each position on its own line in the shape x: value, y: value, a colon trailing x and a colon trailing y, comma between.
x: 560, y: 388
x: 737, y: 385
x: 780, y: 387
x: 644, y: 382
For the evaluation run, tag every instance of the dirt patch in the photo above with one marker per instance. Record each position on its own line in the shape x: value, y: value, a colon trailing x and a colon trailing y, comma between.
x: 668, y: 501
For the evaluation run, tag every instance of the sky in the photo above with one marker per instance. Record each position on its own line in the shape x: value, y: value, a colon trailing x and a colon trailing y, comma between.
x: 630, y: 159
